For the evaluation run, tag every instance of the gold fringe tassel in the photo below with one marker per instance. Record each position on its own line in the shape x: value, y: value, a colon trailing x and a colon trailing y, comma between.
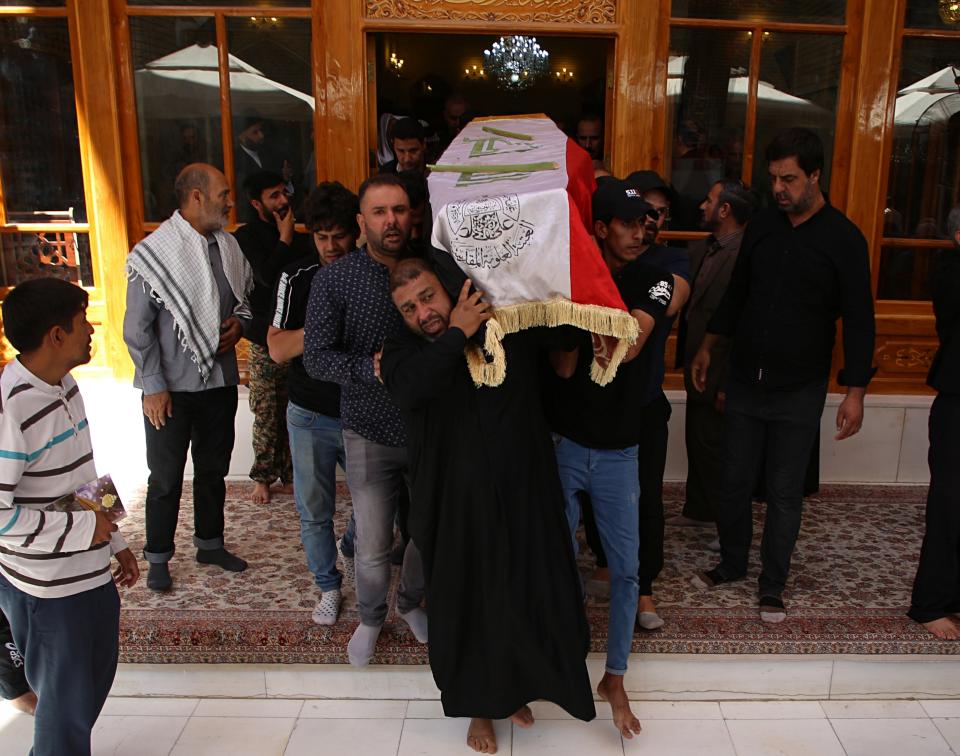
x: 488, y: 367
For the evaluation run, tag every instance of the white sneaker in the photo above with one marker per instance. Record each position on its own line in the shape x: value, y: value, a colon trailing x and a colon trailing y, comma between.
x: 347, y: 563
x: 328, y: 608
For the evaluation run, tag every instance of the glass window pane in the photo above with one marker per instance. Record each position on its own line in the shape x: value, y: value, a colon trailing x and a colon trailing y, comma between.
x: 799, y: 81
x: 272, y: 103
x: 177, y: 84
x: 35, y: 3
x: 925, y: 163
x: 39, y: 144
x: 905, y: 272
x: 933, y: 14
x: 63, y: 255
x: 707, y: 84
x: 797, y: 11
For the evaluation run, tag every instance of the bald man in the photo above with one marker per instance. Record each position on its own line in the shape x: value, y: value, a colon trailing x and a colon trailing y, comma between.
x: 187, y: 307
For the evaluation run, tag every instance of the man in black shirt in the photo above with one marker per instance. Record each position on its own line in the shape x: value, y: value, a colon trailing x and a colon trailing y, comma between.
x: 801, y: 266
x: 936, y: 590
x: 409, y: 143
x: 313, y: 412
x: 597, y: 429
x: 269, y: 243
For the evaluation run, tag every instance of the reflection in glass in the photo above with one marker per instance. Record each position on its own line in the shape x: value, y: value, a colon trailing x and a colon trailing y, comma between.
x: 933, y: 14
x: 797, y: 11
x: 925, y: 163
x: 63, y: 255
x: 270, y: 94
x: 905, y: 272
x: 707, y: 84
x: 177, y: 84
x: 39, y: 145
x: 799, y: 81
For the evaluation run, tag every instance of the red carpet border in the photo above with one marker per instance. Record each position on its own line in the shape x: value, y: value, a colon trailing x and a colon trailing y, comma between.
x: 849, y: 588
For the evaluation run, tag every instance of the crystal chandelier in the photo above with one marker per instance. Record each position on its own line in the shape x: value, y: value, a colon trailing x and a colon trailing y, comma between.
x: 516, y: 61
x: 950, y: 11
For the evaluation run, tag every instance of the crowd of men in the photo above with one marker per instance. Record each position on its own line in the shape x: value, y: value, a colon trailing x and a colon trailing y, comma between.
x: 477, y: 493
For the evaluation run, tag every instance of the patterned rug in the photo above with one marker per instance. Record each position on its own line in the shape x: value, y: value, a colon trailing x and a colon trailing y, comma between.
x: 849, y: 586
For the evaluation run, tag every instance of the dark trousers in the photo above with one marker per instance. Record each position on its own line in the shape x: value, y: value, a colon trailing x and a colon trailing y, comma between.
x: 936, y: 589
x: 70, y: 647
x: 703, y: 433
x: 202, y: 421
x: 652, y: 462
x: 13, y: 680
x: 779, y: 427
x: 652, y: 458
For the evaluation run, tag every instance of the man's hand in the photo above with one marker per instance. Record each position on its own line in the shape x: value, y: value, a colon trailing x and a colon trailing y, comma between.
x: 285, y: 225
x: 470, y: 312
x: 102, y: 529
x: 645, y: 326
x: 127, y: 572
x: 157, y: 408
x: 850, y: 413
x: 230, y: 332
x: 699, y: 368
x: 376, y: 365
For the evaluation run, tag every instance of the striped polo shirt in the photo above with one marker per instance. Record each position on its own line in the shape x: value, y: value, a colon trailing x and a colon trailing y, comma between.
x: 45, y: 452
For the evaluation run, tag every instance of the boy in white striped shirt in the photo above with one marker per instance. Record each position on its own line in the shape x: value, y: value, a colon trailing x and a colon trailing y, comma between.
x: 55, y: 580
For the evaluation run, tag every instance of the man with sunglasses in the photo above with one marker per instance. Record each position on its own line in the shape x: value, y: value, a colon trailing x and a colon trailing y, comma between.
x: 656, y: 411
x: 270, y: 244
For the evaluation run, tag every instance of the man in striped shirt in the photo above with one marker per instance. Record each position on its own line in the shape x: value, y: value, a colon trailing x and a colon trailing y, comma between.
x: 55, y: 581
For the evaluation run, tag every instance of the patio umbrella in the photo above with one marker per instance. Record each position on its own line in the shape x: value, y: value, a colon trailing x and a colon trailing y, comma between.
x: 186, y: 84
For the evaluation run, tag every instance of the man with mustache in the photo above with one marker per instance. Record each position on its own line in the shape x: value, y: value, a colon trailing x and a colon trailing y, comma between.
x: 349, y: 315
x: 506, y: 619
x: 269, y: 242
x: 187, y: 307
x: 802, y: 266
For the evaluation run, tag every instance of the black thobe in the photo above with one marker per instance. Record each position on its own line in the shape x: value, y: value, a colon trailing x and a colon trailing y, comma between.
x: 506, y: 618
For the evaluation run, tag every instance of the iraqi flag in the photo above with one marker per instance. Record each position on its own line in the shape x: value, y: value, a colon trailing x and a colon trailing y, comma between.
x: 511, y: 200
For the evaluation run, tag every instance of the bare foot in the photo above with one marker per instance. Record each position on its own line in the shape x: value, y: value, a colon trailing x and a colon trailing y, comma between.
x: 646, y: 605
x: 27, y: 703
x: 523, y: 717
x: 944, y: 628
x: 611, y: 690
x: 481, y: 737
x: 261, y: 493
x: 285, y: 488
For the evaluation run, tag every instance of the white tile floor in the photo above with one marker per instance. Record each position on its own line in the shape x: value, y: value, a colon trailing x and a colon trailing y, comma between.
x: 291, y: 727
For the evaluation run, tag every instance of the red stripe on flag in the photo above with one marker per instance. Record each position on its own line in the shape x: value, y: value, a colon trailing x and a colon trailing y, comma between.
x: 590, y: 280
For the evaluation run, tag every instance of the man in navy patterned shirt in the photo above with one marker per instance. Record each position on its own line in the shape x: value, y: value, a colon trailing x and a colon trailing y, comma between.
x: 349, y: 315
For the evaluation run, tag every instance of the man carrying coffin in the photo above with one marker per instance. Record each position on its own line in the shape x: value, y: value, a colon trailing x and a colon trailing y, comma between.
x: 504, y: 605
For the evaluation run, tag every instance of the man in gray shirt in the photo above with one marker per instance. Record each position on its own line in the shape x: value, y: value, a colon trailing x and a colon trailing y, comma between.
x: 187, y: 307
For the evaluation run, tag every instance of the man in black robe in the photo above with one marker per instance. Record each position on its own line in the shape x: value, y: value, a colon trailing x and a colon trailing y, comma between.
x: 504, y: 605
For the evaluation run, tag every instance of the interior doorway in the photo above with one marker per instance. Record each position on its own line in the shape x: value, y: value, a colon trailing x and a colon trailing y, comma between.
x: 444, y: 81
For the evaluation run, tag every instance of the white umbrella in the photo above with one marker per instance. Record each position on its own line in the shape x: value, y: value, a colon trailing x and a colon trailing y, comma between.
x: 739, y: 87
x: 936, y: 96
x: 186, y: 84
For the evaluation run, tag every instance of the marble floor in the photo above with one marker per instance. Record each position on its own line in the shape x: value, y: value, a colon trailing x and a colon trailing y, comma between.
x: 312, y: 727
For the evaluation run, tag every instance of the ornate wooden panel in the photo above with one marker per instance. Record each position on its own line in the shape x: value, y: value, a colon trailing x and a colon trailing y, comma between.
x: 531, y: 11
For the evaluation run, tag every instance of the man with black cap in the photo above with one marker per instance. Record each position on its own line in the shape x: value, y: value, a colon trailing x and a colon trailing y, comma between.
x: 596, y: 428
x: 655, y: 413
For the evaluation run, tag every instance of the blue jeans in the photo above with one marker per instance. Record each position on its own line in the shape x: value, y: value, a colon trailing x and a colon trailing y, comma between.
x: 316, y: 446
x: 610, y: 478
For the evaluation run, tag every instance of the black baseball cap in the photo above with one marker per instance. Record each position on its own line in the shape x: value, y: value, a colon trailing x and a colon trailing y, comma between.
x: 647, y: 181
x: 615, y: 198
